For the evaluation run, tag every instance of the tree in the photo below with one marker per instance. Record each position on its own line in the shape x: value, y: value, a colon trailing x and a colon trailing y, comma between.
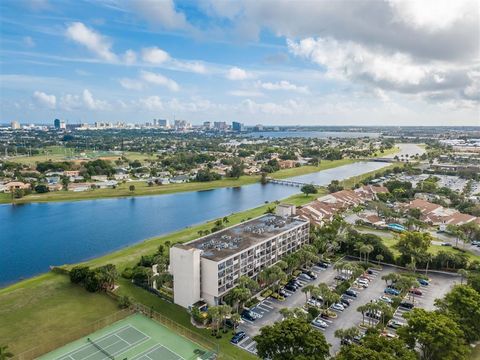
x: 334, y: 186
x: 437, y: 336
x: 413, y: 245
x: 5, y: 353
x: 107, y: 275
x: 291, y: 339
x: 78, y: 274
x: 237, y: 170
x: 347, y: 334
x: 379, y: 259
x: 462, y: 303
x: 131, y: 188
x: 309, y: 189
x: 375, y: 347
x: 236, y: 319
x: 41, y: 188
x: 307, y: 291
x: 214, y: 313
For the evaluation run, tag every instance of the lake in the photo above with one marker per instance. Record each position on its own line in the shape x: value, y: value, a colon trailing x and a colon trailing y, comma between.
x: 36, y: 235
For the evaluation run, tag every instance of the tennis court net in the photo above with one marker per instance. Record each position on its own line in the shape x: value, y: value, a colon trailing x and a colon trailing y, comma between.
x: 100, y: 348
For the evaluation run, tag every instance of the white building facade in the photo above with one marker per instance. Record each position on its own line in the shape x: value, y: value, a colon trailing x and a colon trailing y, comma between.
x: 207, y: 268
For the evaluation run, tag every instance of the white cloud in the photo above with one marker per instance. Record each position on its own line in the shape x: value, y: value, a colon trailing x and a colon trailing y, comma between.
x: 91, y: 103
x: 131, y: 84
x: 246, y: 93
x: 161, y: 13
x: 152, y: 103
x: 92, y: 40
x: 45, y: 100
x: 235, y: 73
x: 190, y: 66
x: 159, y: 79
x: 432, y: 15
x: 154, y: 55
x: 130, y: 57
x: 283, y: 85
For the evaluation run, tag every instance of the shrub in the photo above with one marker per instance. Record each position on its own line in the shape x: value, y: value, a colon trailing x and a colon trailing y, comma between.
x: 124, y: 301
x: 266, y: 293
x: 78, y: 274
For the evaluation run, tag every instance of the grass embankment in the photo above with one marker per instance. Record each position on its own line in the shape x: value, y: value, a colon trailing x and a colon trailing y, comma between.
x: 43, y: 308
x: 142, y: 188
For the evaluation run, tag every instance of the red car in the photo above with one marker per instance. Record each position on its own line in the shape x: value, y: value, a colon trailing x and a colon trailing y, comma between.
x: 415, y: 291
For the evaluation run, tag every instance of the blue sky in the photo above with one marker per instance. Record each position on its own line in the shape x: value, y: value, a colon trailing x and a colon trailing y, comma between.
x: 273, y: 62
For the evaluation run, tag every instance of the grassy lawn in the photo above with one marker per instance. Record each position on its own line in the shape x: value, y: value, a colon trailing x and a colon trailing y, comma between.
x: 39, y: 310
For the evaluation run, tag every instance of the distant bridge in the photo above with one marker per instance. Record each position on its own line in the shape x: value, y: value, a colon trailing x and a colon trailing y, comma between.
x: 378, y: 159
x: 287, y: 182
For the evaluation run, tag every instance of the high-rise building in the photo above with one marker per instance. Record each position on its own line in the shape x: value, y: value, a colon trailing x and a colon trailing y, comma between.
x: 220, y: 125
x: 236, y: 126
x: 209, y: 267
x: 207, y: 125
x: 15, y: 125
x: 56, y: 123
x: 163, y: 123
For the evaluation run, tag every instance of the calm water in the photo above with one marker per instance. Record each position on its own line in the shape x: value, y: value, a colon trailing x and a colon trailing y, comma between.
x: 312, y: 134
x: 34, y: 236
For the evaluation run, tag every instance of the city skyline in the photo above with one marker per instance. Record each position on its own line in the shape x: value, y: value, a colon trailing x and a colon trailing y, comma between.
x: 218, y: 61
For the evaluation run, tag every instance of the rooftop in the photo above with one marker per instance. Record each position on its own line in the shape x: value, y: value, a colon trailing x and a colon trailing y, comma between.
x: 232, y: 240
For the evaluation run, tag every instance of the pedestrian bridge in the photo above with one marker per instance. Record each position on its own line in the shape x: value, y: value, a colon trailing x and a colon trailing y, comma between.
x: 287, y: 182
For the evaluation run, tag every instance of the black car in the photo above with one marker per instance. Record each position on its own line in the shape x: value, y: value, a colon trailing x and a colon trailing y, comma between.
x: 310, y: 273
x: 283, y: 293
x: 322, y: 265
x: 324, y: 316
x: 370, y: 272
x: 344, y: 302
x: 406, y: 305
x: 247, y: 315
x: 351, y: 293
x: 291, y: 287
x: 345, y: 342
x: 239, y: 336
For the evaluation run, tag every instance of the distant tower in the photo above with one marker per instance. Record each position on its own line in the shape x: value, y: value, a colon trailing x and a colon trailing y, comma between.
x: 15, y: 125
x: 56, y: 123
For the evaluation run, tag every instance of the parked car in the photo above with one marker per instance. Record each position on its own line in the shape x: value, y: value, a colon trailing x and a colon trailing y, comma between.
x: 351, y: 293
x: 346, y: 298
x: 310, y: 273
x: 297, y: 283
x: 239, y: 336
x: 446, y: 244
x: 304, y: 277
x: 338, y: 307
x: 394, y: 324
x: 391, y: 291
x: 283, y: 293
x: 322, y: 265
x: 423, y: 282
x: 370, y: 272
x: 320, y: 323
x: 386, y: 299
x: 248, y: 315
x: 290, y: 287
x: 415, y: 291
x: 341, y: 277
x: 314, y: 303
x: 345, y: 341
x: 344, y: 302
x: 374, y: 314
x: 406, y: 305
x: 361, y: 282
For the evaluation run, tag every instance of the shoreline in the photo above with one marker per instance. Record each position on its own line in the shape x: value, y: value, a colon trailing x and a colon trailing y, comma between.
x: 144, y: 190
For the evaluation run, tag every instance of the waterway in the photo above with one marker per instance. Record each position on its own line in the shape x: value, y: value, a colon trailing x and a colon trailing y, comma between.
x: 36, y: 235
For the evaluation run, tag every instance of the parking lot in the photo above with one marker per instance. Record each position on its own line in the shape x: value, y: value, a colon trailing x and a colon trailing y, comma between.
x: 267, y: 311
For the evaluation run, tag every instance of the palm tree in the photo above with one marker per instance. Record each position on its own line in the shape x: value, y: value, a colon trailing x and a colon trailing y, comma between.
x: 463, y: 273
x: 225, y: 311
x: 236, y: 318
x: 363, y: 309
x: 307, y: 291
x: 379, y: 259
x: 4, y: 353
x: 214, y: 314
x: 347, y: 334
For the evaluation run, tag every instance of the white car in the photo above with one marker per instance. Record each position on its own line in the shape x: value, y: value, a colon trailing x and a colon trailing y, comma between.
x: 319, y: 323
x: 363, y: 284
x: 386, y: 299
x: 338, y: 307
x: 313, y: 302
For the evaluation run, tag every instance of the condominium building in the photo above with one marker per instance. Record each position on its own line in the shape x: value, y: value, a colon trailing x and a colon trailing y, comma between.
x: 207, y: 268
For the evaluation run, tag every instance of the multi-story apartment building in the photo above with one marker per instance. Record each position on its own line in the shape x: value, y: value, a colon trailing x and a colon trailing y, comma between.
x: 207, y: 268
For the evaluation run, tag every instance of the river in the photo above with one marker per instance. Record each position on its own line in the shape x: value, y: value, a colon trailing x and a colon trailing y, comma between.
x: 36, y: 235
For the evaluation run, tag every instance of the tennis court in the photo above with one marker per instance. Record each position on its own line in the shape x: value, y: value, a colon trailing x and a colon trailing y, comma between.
x: 136, y: 337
